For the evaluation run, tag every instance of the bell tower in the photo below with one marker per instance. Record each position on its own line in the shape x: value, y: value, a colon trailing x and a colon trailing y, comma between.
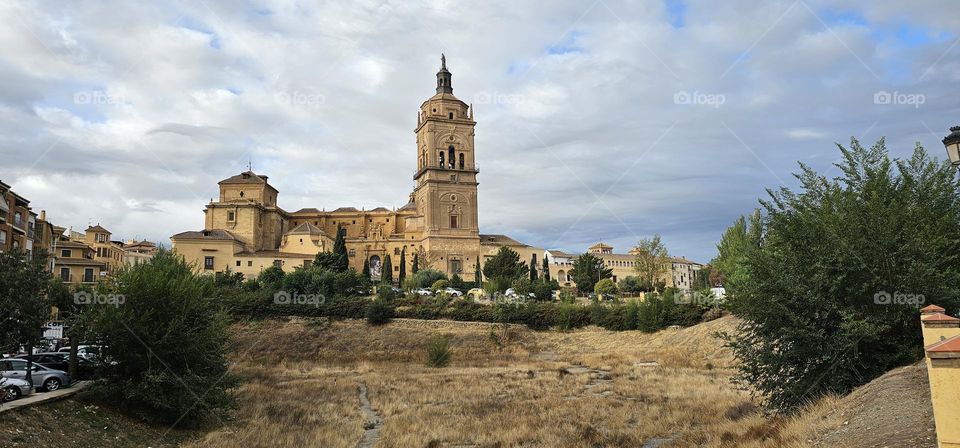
x: 446, y: 176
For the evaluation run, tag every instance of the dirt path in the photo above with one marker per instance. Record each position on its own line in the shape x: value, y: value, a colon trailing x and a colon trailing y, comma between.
x: 373, y: 422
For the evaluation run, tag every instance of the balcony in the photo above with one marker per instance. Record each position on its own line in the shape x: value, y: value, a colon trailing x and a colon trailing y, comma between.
x: 19, y: 224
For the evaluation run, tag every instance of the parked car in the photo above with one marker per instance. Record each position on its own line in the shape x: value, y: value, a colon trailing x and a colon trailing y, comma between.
x: 13, y: 389
x: 90, y: 352
x: 86, y: 368
x: 47, y: 378
x: 453, y: 292
x: 423, y: 292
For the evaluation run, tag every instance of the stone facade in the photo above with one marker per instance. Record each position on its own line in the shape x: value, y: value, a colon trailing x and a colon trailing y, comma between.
x: 246, y: 231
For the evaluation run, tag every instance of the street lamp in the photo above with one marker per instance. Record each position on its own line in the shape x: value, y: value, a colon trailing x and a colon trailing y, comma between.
x: 952, y: 143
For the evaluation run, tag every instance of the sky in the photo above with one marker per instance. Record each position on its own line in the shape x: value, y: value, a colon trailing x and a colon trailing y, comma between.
x: 597, y: 120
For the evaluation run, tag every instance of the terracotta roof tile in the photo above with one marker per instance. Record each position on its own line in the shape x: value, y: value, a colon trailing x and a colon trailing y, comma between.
x: 939, y: 318
x: 931, y: 309
x: 951, y: 345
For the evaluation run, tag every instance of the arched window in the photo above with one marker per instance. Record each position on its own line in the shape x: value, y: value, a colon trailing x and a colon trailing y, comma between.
x: 452, y: 160
x: 461, y: 160
x: 441, y: 159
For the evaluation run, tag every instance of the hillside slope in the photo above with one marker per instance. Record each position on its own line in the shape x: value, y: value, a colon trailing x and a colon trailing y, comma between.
x: 891, y: 411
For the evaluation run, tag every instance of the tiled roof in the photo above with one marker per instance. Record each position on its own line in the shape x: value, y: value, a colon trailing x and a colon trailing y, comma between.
x: 931, y: 309
x: 409, y: 206
x: 951, y: 345
x: 601, y: 246
x: 682, y: 260
x: 97, y: 228
x: 559, y: 253
x: 939, y: 317
x: 346, y: 209
x: 305, y: 229
x: 246, y: 177
x: 216, y: 234
x: 307, y: 210
x: 502, y: 240
x: 380, y: 209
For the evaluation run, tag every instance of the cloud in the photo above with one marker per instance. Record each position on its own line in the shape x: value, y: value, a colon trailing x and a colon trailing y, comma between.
x: 128, y: 114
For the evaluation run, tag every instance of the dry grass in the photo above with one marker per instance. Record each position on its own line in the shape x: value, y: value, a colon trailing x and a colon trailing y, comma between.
x: 303, y: 378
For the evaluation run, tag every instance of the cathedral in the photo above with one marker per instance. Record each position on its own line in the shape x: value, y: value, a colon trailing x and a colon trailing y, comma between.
x: 246, y: 231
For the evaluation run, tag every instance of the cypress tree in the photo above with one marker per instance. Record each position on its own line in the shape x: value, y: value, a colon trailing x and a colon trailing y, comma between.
x: 340, y: 249
x: 366, y: 268
x: 478, y: 275
x: 533, y: 268
x: 403, y: 267
x: 416, y: 263
x: 546, y: 268
x: 386, y: 276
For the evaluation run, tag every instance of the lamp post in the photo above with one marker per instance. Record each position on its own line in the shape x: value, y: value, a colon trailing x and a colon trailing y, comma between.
x: 952, y: 144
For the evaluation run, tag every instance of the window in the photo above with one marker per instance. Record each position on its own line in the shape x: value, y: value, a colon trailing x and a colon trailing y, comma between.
x: 451, y: 158
x: 450, y: 115
x: 441, y: 159
x: 17, y: 218
x: 453, y: 222
x: 3, y: 237
x: 238, y: 263
x: 88, y: 275
x: 66, y: 253
x: 249, y: 263
x: 101, y: 238
x: 65, y: 274
x: 461, y: 160
x: 396, y: 251
x: 353, y: 252
x: 278, y: 263
x: 456, y: 266
x: 307, y: 263
x: 232, y: 216
x: 241, y: 194
x: 208, y: 263
x: 16, y: 244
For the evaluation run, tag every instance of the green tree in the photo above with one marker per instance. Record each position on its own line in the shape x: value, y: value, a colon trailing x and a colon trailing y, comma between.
x: 272, y: 276
x: 814, y: 293
x: 504, y: 267
x: 477, y: 275
x: 416, y: 263
x: 386, y: 274
x: 23, y: 304
x: 587, y: 270
x: 653, y: 261
x: 403, y: 267
x: 169, y: 341
x: 736, y: 247
x: 366, y: 268
x: 632, y: 285
x: 546, y: 268
x: 605, y: 287
x: 533, y: 268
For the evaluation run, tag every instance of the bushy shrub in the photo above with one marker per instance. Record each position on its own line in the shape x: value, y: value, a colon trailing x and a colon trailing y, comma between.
x: 379, y: 312
x: 271, y: 276
x: 438, y: 351
x: 424, y: 278
x: 168, y: 339
x: 606, y: 287
x: 439, y: 285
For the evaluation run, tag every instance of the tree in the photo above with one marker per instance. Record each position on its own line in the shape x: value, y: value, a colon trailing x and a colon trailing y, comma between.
x: 272, y: 276
x: 168, y: 339
x: 386, y: 275
x: 366, y: 268
x: 23, y: 304
x: 605, y: 287
x: 587, y: 270
x: 416, y: 263
x: 835, y: 273
x: 735, y: 249
x: 533, y: 268
x: 336, y: 260
x: 504, y: 267
x: 546, y: 268
x: 403, y: 267
x: 653, y: 261
x: 478, y: 275
x: 632, y: 285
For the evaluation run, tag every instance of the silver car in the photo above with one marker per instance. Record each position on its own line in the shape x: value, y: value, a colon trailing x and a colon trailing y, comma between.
x: 14, y: 389
x: 44, y: 378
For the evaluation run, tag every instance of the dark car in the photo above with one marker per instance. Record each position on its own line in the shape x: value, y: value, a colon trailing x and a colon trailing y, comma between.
x: 61, y: 361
